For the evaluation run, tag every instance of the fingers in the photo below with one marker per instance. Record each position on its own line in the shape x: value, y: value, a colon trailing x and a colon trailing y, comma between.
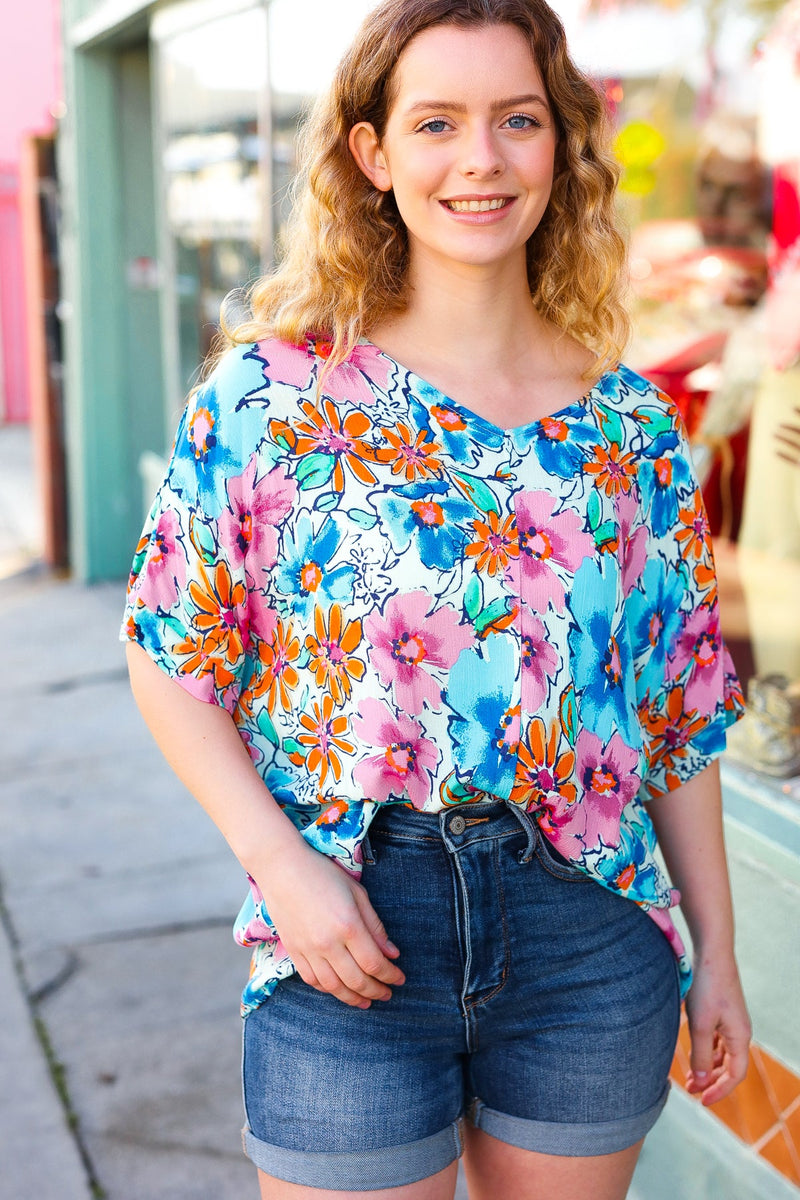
x: 350, y: 961
x: 718, y: 1065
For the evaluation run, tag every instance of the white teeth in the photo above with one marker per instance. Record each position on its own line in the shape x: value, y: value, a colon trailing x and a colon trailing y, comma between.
x: 475, y: 205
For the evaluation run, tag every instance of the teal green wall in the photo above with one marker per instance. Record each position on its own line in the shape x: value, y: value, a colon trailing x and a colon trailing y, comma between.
x: 114, y: 375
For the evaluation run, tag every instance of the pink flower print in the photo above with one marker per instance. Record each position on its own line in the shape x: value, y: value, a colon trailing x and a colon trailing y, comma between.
x: 247, y: 525
x: 290, y: 364
x: 563, y: 822
x: 632, y: 546
x: 166, y: 566
x: 699, y: 648
x: 547, y: 541
x: 405, y: 637
x: 609, y: 777
x: 540, y: 662
x: 350, y: 380
x: 403, y: 768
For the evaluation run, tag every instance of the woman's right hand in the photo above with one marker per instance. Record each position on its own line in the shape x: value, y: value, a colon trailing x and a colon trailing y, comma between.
x: 328, y: 927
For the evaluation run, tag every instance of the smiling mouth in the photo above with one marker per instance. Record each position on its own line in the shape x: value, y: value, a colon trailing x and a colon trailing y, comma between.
x: 462, y: 206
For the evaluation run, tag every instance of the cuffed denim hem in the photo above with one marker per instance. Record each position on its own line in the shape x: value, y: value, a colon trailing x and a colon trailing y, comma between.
x: 361, y: 1170
x: 571, y: 1141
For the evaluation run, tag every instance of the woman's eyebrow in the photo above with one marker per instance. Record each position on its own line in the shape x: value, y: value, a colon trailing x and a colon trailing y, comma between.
x: 454, y: 106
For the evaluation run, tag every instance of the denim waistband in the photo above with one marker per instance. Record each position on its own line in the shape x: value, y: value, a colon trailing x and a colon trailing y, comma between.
x: 457, y: 827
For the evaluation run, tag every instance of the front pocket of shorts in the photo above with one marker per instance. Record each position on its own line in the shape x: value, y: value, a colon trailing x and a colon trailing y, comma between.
x: 557, y: 865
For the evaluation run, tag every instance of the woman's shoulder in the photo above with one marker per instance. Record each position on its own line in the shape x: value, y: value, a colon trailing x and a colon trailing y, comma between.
x: 251, y: 367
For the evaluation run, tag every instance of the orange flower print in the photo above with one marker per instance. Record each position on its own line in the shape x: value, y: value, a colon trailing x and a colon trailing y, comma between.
x: 542, y: 773
x: 324, y: 432
x: 220, y: 614
x: 614, y: 471
x: 706, y: 579
x: 669, y: 729
x: 496, y: 543
x: 416, y: 458
x: 325, y: 738
x: 279, y: 675
x: 695, y: 532
x: 331, y: 653
x: 207, y: 655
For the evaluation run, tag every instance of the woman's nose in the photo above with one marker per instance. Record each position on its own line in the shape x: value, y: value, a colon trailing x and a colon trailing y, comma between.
x: 482, y: 157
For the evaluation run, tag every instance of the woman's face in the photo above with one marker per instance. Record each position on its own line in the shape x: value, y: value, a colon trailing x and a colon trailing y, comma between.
x: 469, y: 145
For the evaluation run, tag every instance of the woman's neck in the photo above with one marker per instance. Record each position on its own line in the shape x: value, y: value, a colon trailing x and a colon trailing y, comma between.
x: 476, y: 334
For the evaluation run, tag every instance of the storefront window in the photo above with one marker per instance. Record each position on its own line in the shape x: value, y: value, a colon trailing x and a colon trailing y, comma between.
x: 701, y: 95
x: 213, y: 111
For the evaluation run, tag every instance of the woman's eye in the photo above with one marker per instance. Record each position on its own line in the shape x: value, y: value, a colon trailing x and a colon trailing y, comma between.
x: 520, y: 121
x: 435, y: 125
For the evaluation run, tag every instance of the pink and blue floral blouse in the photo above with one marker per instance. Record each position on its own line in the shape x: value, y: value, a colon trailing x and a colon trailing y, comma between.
x: 400, y: 602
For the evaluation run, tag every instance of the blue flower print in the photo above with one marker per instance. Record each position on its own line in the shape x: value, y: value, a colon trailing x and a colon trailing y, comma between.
x: 660, y: 479
x: 486, y: 729
x: 629, y: 866
x: 462, y: 433
x: 336, y: 824
x: 601, y: 654
x: 424, y: 513
x: 655, y: 620
x: 204, y: 454
x: 303, y: 573
x: 560, y: 446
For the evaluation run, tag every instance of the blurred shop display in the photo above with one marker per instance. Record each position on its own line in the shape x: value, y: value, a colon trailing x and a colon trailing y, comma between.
x: 710, y: 186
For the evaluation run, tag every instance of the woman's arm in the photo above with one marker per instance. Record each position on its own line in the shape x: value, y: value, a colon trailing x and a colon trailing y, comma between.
x: 324, y: 917
x: 688, y: 822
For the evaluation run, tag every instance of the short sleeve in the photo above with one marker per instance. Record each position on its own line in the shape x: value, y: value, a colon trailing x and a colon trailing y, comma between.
x: 187, y: 602
x: 687, y: 690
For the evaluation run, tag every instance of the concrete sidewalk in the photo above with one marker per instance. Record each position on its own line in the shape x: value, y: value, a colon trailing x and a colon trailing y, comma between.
x: 119, y: 980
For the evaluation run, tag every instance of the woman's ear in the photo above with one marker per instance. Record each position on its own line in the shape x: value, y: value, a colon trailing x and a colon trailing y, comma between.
x: 366, y: 149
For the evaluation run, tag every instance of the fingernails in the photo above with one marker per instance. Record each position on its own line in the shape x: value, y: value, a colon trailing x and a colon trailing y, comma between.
x: 700, y: 1075
x: 390, y: 946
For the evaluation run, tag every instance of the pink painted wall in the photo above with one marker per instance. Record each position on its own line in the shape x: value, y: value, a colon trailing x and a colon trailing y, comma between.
x: 30, y: 70
x: 30, y: 92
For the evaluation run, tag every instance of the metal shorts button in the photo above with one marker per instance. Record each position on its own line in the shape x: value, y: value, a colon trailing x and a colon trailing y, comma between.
x: 457, y: 825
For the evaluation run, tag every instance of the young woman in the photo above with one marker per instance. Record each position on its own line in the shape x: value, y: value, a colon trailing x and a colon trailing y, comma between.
x: 425, y: 617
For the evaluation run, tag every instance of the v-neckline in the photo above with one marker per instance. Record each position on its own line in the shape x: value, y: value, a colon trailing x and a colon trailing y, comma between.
x: 433, y: 397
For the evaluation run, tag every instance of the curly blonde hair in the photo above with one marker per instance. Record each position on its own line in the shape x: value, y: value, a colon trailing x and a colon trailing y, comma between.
x: 346, y: 258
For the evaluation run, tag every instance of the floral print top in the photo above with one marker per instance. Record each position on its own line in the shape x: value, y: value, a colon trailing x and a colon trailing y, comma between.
x: 400, y: 602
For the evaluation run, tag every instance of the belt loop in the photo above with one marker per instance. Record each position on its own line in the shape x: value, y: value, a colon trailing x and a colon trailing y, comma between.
x: 367, y: 854
x: 531, y: 831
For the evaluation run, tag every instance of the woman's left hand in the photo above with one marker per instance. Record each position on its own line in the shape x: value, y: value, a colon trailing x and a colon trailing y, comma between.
x: 719, y: 1027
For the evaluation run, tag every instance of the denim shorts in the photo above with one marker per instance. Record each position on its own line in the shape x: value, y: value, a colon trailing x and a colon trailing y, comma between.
x: 538, y: 1005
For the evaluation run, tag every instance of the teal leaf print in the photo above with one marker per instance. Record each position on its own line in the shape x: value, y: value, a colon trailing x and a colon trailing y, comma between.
x: 594, y: 510
x: 611, y: 425
x: 656, y: 420
x: 605, y: 534
x: 568, y: 714
x: 363, y: 519
x: 267, y: 728
x: 477, y: 491
x: 293, y: 747
x: 473, y: 597
x: 314, y: 470
x: 493, y: 612
x: 201, y: 535
x: 327, y: 501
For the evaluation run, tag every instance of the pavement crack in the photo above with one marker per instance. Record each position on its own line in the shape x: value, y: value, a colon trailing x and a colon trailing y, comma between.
x: 94, y: 679
x: 54, y: 984
x: 157, y: 931
x: 56, y: 1068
